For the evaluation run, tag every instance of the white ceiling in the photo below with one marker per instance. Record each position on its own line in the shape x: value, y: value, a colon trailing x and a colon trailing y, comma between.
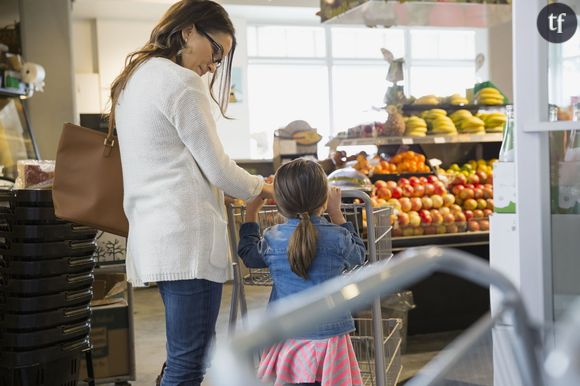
x: 255, y: 10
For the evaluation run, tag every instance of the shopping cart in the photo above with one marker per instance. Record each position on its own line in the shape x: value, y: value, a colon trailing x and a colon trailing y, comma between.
x: 377, y: 338
x: 294, y: 315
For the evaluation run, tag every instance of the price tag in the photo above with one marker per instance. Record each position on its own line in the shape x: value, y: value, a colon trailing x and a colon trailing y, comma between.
x: 407, y: 141
x: 439, y: 140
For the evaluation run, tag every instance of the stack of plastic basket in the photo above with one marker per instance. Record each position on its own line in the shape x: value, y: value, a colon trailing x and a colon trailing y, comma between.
x: 46, y: 277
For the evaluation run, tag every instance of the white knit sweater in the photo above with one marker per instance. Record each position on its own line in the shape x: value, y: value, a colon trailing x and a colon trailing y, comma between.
x: 175, y: 172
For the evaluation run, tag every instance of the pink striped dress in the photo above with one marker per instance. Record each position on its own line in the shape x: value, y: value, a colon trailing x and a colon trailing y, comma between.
x: 332, y: 362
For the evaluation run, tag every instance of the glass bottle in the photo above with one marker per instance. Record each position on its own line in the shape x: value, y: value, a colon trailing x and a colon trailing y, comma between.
x: 507, y: 152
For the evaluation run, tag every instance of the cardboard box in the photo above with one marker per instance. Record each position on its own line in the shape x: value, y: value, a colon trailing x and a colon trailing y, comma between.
x: 110, y: 323
x: 504, y: 187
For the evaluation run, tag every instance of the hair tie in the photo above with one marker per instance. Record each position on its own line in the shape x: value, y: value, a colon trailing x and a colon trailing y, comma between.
x: 304, y: 216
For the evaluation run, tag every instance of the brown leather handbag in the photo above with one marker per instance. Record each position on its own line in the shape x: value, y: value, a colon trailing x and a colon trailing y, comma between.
x: 88, y: 180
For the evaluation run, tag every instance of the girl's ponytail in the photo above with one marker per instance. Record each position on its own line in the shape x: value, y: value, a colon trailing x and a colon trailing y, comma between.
x: 302, y: 246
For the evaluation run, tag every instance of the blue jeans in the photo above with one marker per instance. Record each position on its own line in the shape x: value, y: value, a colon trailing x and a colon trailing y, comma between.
x: 191, y: 310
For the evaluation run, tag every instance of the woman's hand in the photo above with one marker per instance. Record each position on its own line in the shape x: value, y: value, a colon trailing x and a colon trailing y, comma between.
x: 267, y: 191
x: 253, y: 208
x: 333, y: 206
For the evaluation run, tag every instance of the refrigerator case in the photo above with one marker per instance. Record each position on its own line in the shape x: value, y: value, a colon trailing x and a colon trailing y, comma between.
x: 16, y: 140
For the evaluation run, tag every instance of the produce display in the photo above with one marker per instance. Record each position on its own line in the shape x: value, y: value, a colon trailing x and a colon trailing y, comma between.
x: 458, y: 199
x: 405, y: 162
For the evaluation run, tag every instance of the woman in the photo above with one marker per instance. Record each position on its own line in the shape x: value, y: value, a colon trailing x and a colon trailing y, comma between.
x: 175, y: 174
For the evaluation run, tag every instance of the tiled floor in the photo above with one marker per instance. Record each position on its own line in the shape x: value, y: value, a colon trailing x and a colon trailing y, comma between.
x: 150, y: 340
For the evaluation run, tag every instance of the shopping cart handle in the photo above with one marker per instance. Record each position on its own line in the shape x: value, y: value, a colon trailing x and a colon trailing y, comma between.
x: 295, y: 315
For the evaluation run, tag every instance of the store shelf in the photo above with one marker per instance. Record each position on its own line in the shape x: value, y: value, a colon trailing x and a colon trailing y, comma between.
x: 430, y: 139
x: 431, y: 14
x: 11, y: 92
x: 451, y: 240
x: 407, y: 109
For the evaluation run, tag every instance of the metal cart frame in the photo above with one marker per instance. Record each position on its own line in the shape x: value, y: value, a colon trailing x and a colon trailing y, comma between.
x: 238, y: 300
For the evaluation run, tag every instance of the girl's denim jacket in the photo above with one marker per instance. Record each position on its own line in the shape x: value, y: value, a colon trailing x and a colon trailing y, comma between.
x: 338, y: 248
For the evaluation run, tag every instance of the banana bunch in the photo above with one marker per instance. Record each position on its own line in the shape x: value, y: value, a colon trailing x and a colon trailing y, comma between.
x: 415, y: 127
x: 458, y: 116
x: 443, y: 125
x: 489, y: 96
x: 432, y: 114
x: 457, y: 99
x: 494, y: 122
x: 472, y: 125
x: 427, y: 100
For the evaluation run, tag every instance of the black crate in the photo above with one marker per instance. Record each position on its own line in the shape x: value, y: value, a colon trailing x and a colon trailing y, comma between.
x: 26, y: 197
x: 29, y: 216
x: 60, y: 372
x: 45, y: 285
x: 46, y: 233
x: 11, y: 359
x: 48, y: 250
x: 31, y: 304
x: 34, y: 268
x: 47, y: 319
x: 17, y: 341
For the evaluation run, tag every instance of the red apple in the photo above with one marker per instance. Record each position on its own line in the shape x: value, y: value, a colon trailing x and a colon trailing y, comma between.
x: 380, y: 184
x: 423, y: 180
x: 393, y: 202
x: 487, y: 212
x: 469, y: 186
x: 490, y: 203
x: 436, y: 216
x: 473, y: 226
x: 407, y: 190
x: 482, y: 177
x: 477, y: 193
x: 425, y: 216
x: 460, y: 217
x: 397, y: 192
x: 384, y: 193
x: 449, y: 218
x: 460, y: 179
x: 468, y: 214
x: 414, y: 181
x: 416, y: 204
x: 391, y: 185
x: 403, y: 219
x: 437, y: 201
x: 427, y: 202
x: 429, y: 189
x: 484, y: 225
x: 431, y: 179
x: 473, y: 179
x: 419, y: 191
x: 457, y: 189
x: 487, y: 193
x: 405, y: 203
x: 440, y: 188
x: 478, y: 214
x: 403, y: 181
x: 448, y: 199
x: 382, y: 202
x: 466, y: 194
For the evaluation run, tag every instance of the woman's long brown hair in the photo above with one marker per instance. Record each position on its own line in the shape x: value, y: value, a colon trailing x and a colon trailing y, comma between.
x: 300, y: 189
x: 166, y: 42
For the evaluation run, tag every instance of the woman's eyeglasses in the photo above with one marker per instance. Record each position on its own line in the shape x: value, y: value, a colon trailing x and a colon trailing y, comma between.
x: 217, y: 55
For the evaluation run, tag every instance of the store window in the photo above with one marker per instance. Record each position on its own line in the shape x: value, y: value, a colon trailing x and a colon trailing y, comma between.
x: 342, y: 74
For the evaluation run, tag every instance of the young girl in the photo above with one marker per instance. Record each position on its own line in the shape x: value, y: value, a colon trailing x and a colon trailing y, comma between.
x: 304, y: 252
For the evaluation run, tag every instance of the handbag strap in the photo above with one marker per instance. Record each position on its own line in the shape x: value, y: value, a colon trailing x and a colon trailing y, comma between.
x: 109, y: 142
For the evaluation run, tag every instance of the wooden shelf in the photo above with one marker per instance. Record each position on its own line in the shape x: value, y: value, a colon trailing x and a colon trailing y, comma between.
x: 425, y: 13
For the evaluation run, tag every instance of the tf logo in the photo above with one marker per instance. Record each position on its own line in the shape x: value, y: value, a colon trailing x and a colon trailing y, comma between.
x: 557, y: 23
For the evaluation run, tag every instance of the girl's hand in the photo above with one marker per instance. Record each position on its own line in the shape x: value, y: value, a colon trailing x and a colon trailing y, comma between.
x: 253, y: 208
x: 333, y: 207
